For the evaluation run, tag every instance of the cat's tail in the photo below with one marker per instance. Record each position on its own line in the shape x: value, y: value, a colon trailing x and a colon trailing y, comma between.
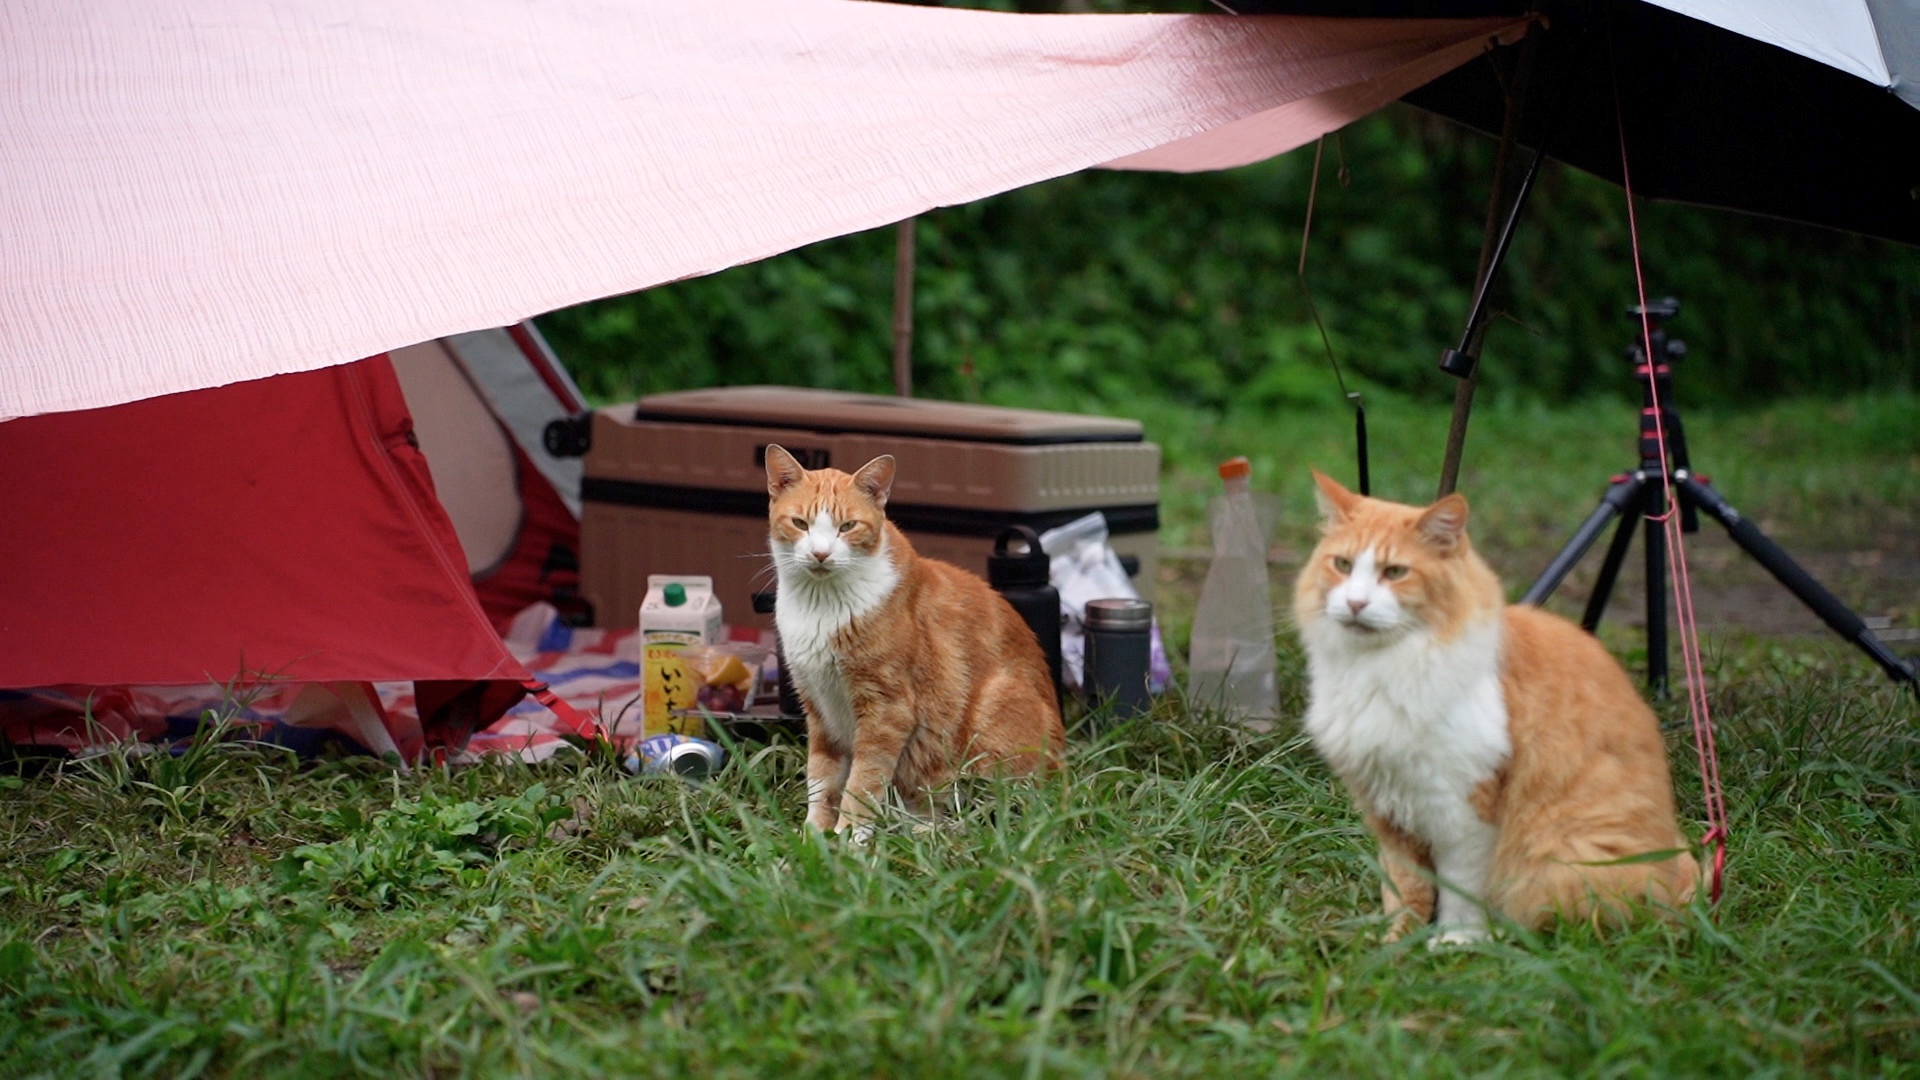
x: 1594, y: 883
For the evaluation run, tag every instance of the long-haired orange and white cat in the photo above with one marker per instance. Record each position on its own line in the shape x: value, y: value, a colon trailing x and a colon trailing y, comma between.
x: 1500, y: 754
x: 911, y: 669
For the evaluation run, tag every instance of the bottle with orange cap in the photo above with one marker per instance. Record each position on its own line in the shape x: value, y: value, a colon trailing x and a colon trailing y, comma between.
x: 1231, y: 666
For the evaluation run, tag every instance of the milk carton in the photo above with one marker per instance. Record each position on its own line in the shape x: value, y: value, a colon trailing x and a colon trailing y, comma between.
x: 677, y: 612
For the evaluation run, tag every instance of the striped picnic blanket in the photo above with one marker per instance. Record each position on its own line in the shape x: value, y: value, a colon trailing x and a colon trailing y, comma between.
x: 597, y: 671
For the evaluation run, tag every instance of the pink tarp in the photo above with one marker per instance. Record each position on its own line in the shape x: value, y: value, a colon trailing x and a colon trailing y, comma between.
x: 197, y: 192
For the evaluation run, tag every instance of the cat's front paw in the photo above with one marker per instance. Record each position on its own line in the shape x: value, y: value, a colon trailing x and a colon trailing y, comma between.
x: 1456, y: 936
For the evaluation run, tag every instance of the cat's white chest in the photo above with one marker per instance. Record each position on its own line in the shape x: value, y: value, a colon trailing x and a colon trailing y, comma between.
x: 1415, y: 727
x: 810, y: 614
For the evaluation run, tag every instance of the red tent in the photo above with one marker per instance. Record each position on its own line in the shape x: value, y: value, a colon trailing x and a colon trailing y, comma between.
x: 169, y: 541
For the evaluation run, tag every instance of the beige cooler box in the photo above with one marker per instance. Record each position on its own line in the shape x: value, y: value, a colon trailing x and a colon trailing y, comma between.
x: 676, y: 483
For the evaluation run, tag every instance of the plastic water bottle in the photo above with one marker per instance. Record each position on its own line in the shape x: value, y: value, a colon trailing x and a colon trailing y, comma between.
x: 1231, y: 660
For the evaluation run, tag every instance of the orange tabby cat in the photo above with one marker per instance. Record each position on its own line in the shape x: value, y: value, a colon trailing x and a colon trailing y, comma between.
x: 911, y: 670
x: 1497, y: 751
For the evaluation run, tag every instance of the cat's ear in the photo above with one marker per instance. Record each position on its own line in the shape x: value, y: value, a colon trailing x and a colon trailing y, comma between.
x: 782, y: 470
x: 1336, y: 502
x: 1445, y: 522
x: 875, y: 479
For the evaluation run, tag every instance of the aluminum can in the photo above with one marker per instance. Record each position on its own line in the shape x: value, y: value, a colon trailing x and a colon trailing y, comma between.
x: 678, y: 755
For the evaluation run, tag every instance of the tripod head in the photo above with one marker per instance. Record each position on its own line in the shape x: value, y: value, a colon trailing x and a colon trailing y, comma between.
x: 1664, y: 308
x: 1658, y: 413
x: 1666, y: 350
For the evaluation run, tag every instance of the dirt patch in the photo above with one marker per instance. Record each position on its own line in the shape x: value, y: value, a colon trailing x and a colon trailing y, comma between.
x: 1877, y: 576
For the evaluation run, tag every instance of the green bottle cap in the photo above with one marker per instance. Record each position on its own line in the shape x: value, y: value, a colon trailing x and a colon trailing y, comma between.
x: 675, y: 594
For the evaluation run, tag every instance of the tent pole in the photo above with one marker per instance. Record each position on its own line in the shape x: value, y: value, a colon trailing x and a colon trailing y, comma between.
x: 903, y: 308
x: 1492, y: 249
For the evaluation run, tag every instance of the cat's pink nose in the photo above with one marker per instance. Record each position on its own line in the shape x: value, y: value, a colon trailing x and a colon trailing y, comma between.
x: 822, y: 556
x: 1357, y: 603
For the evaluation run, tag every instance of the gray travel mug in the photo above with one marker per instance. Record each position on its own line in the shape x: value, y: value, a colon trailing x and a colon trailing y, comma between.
x: 1118, y: 651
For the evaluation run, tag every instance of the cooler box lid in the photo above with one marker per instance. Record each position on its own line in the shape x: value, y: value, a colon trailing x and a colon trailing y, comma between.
x: 835, y: 411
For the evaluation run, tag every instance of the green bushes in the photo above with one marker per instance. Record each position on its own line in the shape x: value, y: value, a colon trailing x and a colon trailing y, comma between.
x: 1109, y: 286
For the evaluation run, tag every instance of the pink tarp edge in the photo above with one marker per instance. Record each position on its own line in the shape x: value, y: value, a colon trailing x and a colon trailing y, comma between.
x: 198, y: 192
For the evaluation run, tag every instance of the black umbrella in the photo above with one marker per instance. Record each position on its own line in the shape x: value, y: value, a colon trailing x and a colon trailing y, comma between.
x: 1710, y: 115
x: 1806, y: 110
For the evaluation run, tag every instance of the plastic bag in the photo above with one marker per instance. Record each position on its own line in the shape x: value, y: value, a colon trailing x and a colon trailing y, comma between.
x: 727, y: 676
x: 1084, y: 567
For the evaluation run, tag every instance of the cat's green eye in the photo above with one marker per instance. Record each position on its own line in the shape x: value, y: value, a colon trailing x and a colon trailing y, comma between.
x: 800, y: 523
x: 847, y: 526
x: 1394, y: 573
x: 1343, y: 564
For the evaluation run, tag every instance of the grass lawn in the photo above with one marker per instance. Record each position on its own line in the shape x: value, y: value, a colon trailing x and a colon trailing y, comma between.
x: 1190, y: 899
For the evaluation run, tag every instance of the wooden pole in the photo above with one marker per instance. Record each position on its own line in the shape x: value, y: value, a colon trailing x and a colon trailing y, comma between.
x: 903, y: 308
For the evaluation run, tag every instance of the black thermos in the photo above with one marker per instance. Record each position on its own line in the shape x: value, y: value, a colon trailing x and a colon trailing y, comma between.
x: 1119, y: 653
x: 1018, y: 570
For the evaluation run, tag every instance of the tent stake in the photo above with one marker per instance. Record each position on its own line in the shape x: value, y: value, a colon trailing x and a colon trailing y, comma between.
x: 903, y: 308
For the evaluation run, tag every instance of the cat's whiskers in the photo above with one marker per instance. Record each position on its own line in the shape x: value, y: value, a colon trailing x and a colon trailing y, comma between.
x: 766, y: 573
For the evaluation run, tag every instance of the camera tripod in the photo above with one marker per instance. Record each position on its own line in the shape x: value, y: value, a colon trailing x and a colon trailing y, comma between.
x: 1641, y: 495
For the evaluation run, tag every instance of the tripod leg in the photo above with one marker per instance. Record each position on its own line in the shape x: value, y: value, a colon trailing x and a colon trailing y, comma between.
x: 1610, y: 568
x: 1789, y: 573
x: 1621, y: 495
x: 1657, y: 603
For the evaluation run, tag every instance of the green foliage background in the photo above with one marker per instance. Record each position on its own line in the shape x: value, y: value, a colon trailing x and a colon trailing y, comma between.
x: 1106, y: 286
